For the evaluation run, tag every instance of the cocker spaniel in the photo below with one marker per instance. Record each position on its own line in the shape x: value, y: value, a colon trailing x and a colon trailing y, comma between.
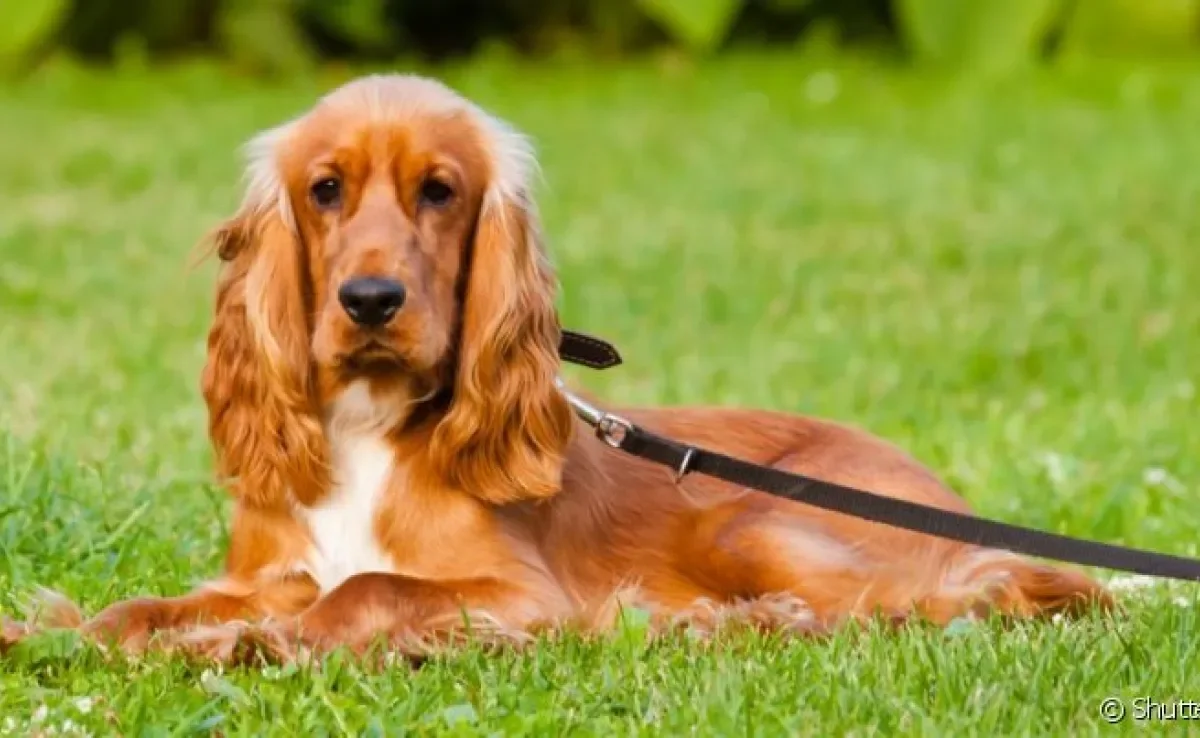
x: 381, y: 389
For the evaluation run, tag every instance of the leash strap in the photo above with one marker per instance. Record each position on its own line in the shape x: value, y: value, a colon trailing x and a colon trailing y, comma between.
x: 684, y: 459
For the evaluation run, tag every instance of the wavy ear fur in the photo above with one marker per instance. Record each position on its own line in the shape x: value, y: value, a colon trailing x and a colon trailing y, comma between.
x: 258, y: 381
x: 506, y: 431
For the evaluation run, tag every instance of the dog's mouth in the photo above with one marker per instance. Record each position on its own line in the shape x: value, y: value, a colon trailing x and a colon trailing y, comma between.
x: 373, y: 356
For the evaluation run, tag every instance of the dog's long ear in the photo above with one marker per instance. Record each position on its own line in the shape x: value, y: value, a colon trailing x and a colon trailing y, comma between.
x: 258, y: 381
x: 507, y: 428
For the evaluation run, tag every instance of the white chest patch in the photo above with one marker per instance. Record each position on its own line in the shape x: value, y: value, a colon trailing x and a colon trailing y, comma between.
x: 342, y: 524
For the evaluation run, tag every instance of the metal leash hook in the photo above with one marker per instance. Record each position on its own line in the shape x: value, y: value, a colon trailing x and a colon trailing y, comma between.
x: 612, y: 429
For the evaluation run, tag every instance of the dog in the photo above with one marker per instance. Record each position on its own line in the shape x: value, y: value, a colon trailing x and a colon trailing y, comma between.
x: 381, y: 390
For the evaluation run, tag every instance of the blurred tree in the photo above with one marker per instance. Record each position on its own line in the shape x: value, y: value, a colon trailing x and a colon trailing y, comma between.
x: 26, y: 25
x: 1132, y: 27
x: 981, y: 35
x: 359, y: 27
x: 94, y: 28
x: 284, y: 35
x: 701, y: 25
x: 263, y: 35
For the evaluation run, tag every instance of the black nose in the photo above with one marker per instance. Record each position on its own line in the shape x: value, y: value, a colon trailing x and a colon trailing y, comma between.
x: 371, y: 301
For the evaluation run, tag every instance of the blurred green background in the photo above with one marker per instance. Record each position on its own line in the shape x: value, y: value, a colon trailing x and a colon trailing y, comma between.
x: 769, y: 203
x: 286, y: 36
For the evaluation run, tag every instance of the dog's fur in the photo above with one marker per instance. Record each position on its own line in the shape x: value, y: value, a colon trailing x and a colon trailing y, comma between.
x: 390, y: 481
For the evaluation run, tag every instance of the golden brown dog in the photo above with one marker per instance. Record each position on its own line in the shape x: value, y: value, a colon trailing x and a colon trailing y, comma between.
x: 381, y: 392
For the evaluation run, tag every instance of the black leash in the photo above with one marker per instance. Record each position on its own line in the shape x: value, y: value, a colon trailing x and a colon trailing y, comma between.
x: 684, y: 459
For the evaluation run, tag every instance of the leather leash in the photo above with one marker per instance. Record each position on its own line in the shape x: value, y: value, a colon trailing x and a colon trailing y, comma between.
x: 684, y: 459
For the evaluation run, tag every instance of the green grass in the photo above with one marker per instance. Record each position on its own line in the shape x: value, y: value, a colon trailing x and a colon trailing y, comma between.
x: 996, y: 279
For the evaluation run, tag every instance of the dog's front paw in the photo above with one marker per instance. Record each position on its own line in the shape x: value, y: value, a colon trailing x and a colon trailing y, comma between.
x: 45, y: 611
x: 129, y: 625
x: 12, y: 633
x: 48, y: 609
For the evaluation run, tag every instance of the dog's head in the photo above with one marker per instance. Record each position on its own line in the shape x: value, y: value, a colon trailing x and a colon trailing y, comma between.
x: 387, y: 236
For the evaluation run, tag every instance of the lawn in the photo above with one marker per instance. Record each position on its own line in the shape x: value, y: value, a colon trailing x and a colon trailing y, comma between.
x: 994, y: 278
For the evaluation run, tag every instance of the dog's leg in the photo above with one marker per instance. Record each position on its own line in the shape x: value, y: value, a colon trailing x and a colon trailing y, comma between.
x: 754, y: 548
x: 406, y: 614
x: 131, y: 624
x: 261, y: 580
x: 978, y: 581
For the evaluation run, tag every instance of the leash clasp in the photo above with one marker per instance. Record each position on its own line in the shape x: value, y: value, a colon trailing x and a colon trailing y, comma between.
x: 612, y: 429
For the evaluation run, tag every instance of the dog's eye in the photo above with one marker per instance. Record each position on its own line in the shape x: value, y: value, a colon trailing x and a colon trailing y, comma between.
x: 327, y: 193
x: 435, y: 192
